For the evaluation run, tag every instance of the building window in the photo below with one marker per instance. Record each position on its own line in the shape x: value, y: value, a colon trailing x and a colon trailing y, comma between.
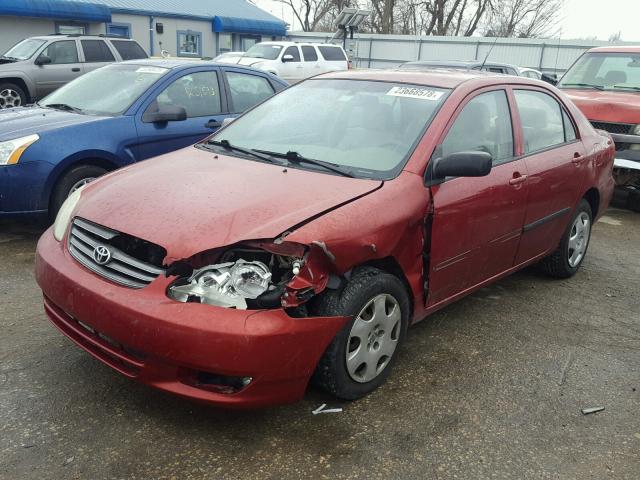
x: 71, y: 28
x: 225, y: 42
x: 119, y: 30
x: 248, y: 41
x: 189, y: 44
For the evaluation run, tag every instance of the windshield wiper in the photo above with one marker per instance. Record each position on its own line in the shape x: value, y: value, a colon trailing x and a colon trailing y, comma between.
x: 629, y: 87
x: 295, y: 157
x: 588, y: 85
x: 62, y: 106
x: 11, y: 59
x: 247, y: 151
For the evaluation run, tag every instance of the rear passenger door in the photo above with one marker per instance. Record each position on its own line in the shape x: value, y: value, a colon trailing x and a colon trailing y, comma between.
x: 64, y: 66
x: 246, y: 89
x: 477, y: 222
x: 201, y: 93
x: 311, y: 62
x: 556, y: 166
x: 96, y: 54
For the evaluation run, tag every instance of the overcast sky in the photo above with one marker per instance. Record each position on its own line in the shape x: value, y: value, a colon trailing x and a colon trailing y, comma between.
x: 579, y: 18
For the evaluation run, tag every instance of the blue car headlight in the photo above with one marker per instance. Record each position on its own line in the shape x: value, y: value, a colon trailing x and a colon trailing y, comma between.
x: 12, y: 150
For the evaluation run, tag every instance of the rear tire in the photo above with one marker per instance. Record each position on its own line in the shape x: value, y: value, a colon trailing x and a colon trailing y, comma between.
x: 11, y: 95
x: 71, y: 181
x: 566, y: 260
x: 361, y: 355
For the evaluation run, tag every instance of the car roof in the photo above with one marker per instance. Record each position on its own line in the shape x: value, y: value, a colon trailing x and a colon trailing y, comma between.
x: 61, y: 36
x: 618, y: 49
x: 300, y: 44
x: 180, y: 64
x: 441, y: 78
x: 458, y: 63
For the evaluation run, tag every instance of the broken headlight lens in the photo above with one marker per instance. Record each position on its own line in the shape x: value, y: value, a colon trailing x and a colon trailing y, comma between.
x: 224, y: 285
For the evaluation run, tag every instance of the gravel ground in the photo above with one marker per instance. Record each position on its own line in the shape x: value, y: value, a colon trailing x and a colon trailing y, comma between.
x: 490, y: 387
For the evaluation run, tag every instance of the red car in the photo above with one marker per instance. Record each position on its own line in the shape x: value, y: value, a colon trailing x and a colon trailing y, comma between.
x: 300, y: 241
x: 605, y: 84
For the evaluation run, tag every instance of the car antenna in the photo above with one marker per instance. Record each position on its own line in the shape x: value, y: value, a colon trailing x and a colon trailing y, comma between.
x: 486, y: 57
x: 555, y: 67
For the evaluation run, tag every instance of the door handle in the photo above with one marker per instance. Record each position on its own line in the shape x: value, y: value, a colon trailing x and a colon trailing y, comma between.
x: 213, y: 124
x: 75, y: 69
x: 517, y: 179
x: 577, y: 158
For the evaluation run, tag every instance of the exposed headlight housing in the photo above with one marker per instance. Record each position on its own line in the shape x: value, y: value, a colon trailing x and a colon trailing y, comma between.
x: 226, y: 285
x: 12, y: 150
x: 66, y: 213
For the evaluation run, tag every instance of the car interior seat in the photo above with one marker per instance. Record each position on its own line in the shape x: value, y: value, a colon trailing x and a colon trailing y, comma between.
x: 615, y: 77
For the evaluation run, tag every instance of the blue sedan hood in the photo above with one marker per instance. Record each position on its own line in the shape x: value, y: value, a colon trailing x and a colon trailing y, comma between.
x: 23, y: 121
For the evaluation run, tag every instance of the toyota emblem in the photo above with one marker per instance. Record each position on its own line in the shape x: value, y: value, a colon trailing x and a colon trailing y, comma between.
x: 101, y: 255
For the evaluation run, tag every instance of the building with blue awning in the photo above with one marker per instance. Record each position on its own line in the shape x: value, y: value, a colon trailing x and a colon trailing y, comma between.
x: 182, y: 28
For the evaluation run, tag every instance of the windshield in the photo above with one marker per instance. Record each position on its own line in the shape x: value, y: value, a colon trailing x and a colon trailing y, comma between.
x: 24, y: 49
x: 268, y: 52
x: 108, y: 90
x: 369, y: 127
x: 604, y: 71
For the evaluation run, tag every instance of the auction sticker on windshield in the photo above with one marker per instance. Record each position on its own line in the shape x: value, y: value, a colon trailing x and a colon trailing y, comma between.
x: 413, y: 92
x: 153, y: 70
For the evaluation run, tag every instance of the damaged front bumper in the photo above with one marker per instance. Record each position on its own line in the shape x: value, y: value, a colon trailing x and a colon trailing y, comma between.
x: 224, y: 356
x: 627, y: 151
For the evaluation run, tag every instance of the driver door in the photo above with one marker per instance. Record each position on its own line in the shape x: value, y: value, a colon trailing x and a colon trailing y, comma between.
x: 64, y: 67
x: 477, y: 221
x: 200, y: 94
x: 293, y: 70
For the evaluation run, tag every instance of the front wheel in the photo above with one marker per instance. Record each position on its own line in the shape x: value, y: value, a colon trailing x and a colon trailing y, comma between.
x: 566, y: 260
x: 361, y: 355
x: 11, y: 95
x: 74, y: 179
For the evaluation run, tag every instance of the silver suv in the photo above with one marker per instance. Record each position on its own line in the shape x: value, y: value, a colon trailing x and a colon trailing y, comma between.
x: 37, y: 66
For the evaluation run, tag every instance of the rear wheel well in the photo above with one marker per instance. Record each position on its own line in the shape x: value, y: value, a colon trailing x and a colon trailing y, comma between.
x: 593, y: 197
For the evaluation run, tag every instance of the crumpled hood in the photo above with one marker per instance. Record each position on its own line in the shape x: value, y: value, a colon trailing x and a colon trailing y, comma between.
x: 23, y: 121
x: 617, y: 107
x: 189, y: 201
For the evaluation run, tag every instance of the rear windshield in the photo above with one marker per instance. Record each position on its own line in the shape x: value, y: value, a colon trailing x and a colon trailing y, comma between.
x: 332, y: 54
x: 604, y: 71
x: 129, y: 50
x: 368, y: 127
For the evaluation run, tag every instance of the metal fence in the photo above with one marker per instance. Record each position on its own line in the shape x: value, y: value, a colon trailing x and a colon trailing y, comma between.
x: 387, y: 51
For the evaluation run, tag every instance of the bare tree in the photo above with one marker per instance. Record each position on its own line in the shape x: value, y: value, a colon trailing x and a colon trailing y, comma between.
x: 524, y: 18
x: 317, y: 14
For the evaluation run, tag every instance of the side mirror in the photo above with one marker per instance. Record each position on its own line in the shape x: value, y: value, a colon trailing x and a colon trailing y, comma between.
x: 552, y: 79
x: 43, y: 60
x: 167, y: 113
x: 287, y: 58
x: 463, y: 164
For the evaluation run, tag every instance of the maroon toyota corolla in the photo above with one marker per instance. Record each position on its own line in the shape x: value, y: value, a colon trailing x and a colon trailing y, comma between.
x: 299, y: 242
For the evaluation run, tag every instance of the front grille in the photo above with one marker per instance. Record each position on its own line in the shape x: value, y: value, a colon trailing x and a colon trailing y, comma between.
x: 84, y: 240
x: 621, y: 128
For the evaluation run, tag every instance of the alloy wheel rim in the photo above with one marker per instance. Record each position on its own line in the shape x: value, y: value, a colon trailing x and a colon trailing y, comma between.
x: 373, y: 338
x: 81, y: 183
x: 9, y: 98
x: 578, y: 239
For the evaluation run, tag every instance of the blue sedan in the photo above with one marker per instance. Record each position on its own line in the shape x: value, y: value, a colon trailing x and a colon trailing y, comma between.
x: 112, y: 117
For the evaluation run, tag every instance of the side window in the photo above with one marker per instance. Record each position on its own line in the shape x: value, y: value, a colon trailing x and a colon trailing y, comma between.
x: 294, y: 52
x: 484, y: 124
x: 61, y: 52
x: 309, y: 54
x: 569, y: 130
x: 198, y: 93
x: 96, y: 51
x: 247, y: 90
x: 129, y: 50
x: 541, y: 119
x: 332, y: 54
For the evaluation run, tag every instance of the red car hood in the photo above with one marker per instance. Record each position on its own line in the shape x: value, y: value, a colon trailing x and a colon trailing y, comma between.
x: 617, y: 107
x: 189, y: 201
